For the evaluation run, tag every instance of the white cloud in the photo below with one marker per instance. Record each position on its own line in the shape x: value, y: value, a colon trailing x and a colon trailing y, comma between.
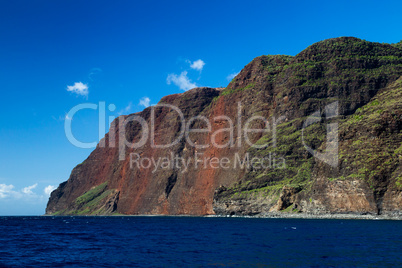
x: 126, y: 110
x: 145, y: 101
x: 197, y: 65
x: 26, y: 194
x: 49, y: 189
x: 79, y: 89
x: 62, y: 118
x: 28, y: 190
x: 182, y: 81
x: 67, y: 117
x: 231, y: 76
x: 6, y: 190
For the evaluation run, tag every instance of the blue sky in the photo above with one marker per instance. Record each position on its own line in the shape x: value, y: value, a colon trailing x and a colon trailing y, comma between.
x: 130, y: 54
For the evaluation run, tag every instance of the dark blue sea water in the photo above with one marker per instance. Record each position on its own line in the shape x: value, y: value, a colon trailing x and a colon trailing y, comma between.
x: 197, y: 242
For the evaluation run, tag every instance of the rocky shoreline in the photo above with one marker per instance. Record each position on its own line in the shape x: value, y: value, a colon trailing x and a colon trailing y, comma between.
x: 279, y: 215
x: 271, y: 215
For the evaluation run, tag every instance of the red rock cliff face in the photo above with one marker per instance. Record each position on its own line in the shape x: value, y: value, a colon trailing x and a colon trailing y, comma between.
x: 282, y: 89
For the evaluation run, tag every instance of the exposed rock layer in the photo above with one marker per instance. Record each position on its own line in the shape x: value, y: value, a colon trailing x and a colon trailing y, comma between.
x: 363, y: 78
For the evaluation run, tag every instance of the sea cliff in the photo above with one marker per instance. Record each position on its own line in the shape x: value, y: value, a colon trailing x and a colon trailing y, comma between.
x: 334, y: 144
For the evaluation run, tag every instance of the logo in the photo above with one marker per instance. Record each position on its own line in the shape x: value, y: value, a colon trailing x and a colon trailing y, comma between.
x: 236, y: 130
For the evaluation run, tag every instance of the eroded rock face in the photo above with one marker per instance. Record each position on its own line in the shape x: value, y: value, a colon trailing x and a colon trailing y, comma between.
x: 361, y: 77
x: 339, y: 196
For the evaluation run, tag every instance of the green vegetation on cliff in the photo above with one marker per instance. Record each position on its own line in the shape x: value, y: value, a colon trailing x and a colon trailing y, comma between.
x: 93, y: 202
x: 363, y: 78
x: 350, y: 71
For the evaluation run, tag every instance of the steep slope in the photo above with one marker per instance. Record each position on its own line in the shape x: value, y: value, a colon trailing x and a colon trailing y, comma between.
x: 368, y: 178
x: 358, y: 78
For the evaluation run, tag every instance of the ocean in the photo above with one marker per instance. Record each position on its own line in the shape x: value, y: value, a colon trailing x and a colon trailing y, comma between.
x: 198, y: 242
